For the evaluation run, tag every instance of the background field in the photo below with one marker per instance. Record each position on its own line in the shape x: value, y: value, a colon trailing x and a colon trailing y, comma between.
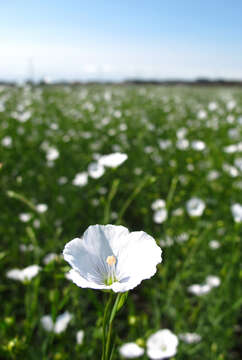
x: 145, y: 123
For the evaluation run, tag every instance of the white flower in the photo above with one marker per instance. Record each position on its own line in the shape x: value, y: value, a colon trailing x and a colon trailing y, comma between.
x: 47, y: 323
x: 7, y: 141
x: 238, y: 163
x: 195, y: 207
x: 60, y: 324
x: 26, y: 248
x: 160, y: 216
x: 79, y: 337
x: 231, y: 170
x: 113, y: 160
x: 213, y: 281
x: 212, y: 106
x: 49, y: 258
x: 213, y: 175
x: 111, y: 257
x: 181, y: 133
x: 182, y: 144
x: 177, y: 212
x: 198, y: 145
x: 95, y: 170
x: 131, y: 350
x: 236, y: 210
x: 36, y: 224
x: 52, y: 154
x: 62, y: 180
x: 41, y: 208
x: 24, y: 217
x: 214, y: 244
x: 25, y: 274
x: 163, y: 344
x: 231, y: 149
x: 190, y: 338
x: 165, y: 144
x: 158, y: 204
x: 80, y: 179
x: 199, y: 290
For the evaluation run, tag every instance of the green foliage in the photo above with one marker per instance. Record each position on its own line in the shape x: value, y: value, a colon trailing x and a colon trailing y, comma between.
x: 83, y: 121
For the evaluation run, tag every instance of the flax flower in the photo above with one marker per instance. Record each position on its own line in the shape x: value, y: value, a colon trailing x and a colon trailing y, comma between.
x: 131, y: 350
x: 162, y: 344
x: 111, y: 257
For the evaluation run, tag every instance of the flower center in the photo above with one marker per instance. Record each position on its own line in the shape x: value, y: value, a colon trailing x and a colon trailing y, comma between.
x: 111, y: 278
x: 163, y: 347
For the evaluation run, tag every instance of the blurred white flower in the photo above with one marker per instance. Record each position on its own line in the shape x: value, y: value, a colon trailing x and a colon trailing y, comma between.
x: 23, y: 274
x: 41, y: 208
x: 198, y: 145
x: 214, y: 244
x: 231, y: 104
x: 160, y: 216
x: 236, y: 210
x: 111, y: 257
x: 167, y: 242
x: 195, y: 207
x: 80, y: 179
x: 165, y: 144
x: 202, y: 114
x: 162, y: 344
x: 52, y: 154
x: 178, y: 212
x: 25, y: 217
x: 210, y: 282
x: 231, y: 170
x: 238, y: 163
x: 182, y: 144
x: 213, y: 175
x: 79, y: 337
x: 138, y: 171
x: 96, y: 170
x: 213, y: 281
x: 182, y: 237
x: 49, y: 258
x: 47, y: 323
x: 190, y: 338
x: 230, y: 149
x: 62, y: 180
x: 212, y: 106
x: 131, y: 350
x: 158, y: 204
x: 36, y: 224
x: 60, y: 324
x: 113, y: 160
x: 26, y: 248
x: 199, y: 290
x: 181, y: 133
x: 7, y: 141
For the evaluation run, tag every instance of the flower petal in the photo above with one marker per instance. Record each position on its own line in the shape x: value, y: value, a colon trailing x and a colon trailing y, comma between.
x: 138, y: 260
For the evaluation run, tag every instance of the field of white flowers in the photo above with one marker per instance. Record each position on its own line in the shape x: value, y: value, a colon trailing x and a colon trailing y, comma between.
x: 167, y: 161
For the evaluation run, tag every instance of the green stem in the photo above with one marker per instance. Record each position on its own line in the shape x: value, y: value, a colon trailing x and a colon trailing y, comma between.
x: 108, y: 318
x: 22, y: 198
x: 171, y: 192
x: 108, y: 351
x: 105, y: 322
x: 111, y: 195
x: 142, y: 184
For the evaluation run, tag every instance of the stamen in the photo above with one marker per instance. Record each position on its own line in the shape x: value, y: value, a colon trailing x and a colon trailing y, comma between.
x: 111, y: 260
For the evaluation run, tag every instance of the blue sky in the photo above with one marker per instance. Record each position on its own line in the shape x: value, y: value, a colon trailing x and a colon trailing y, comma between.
x: 104, y: 39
